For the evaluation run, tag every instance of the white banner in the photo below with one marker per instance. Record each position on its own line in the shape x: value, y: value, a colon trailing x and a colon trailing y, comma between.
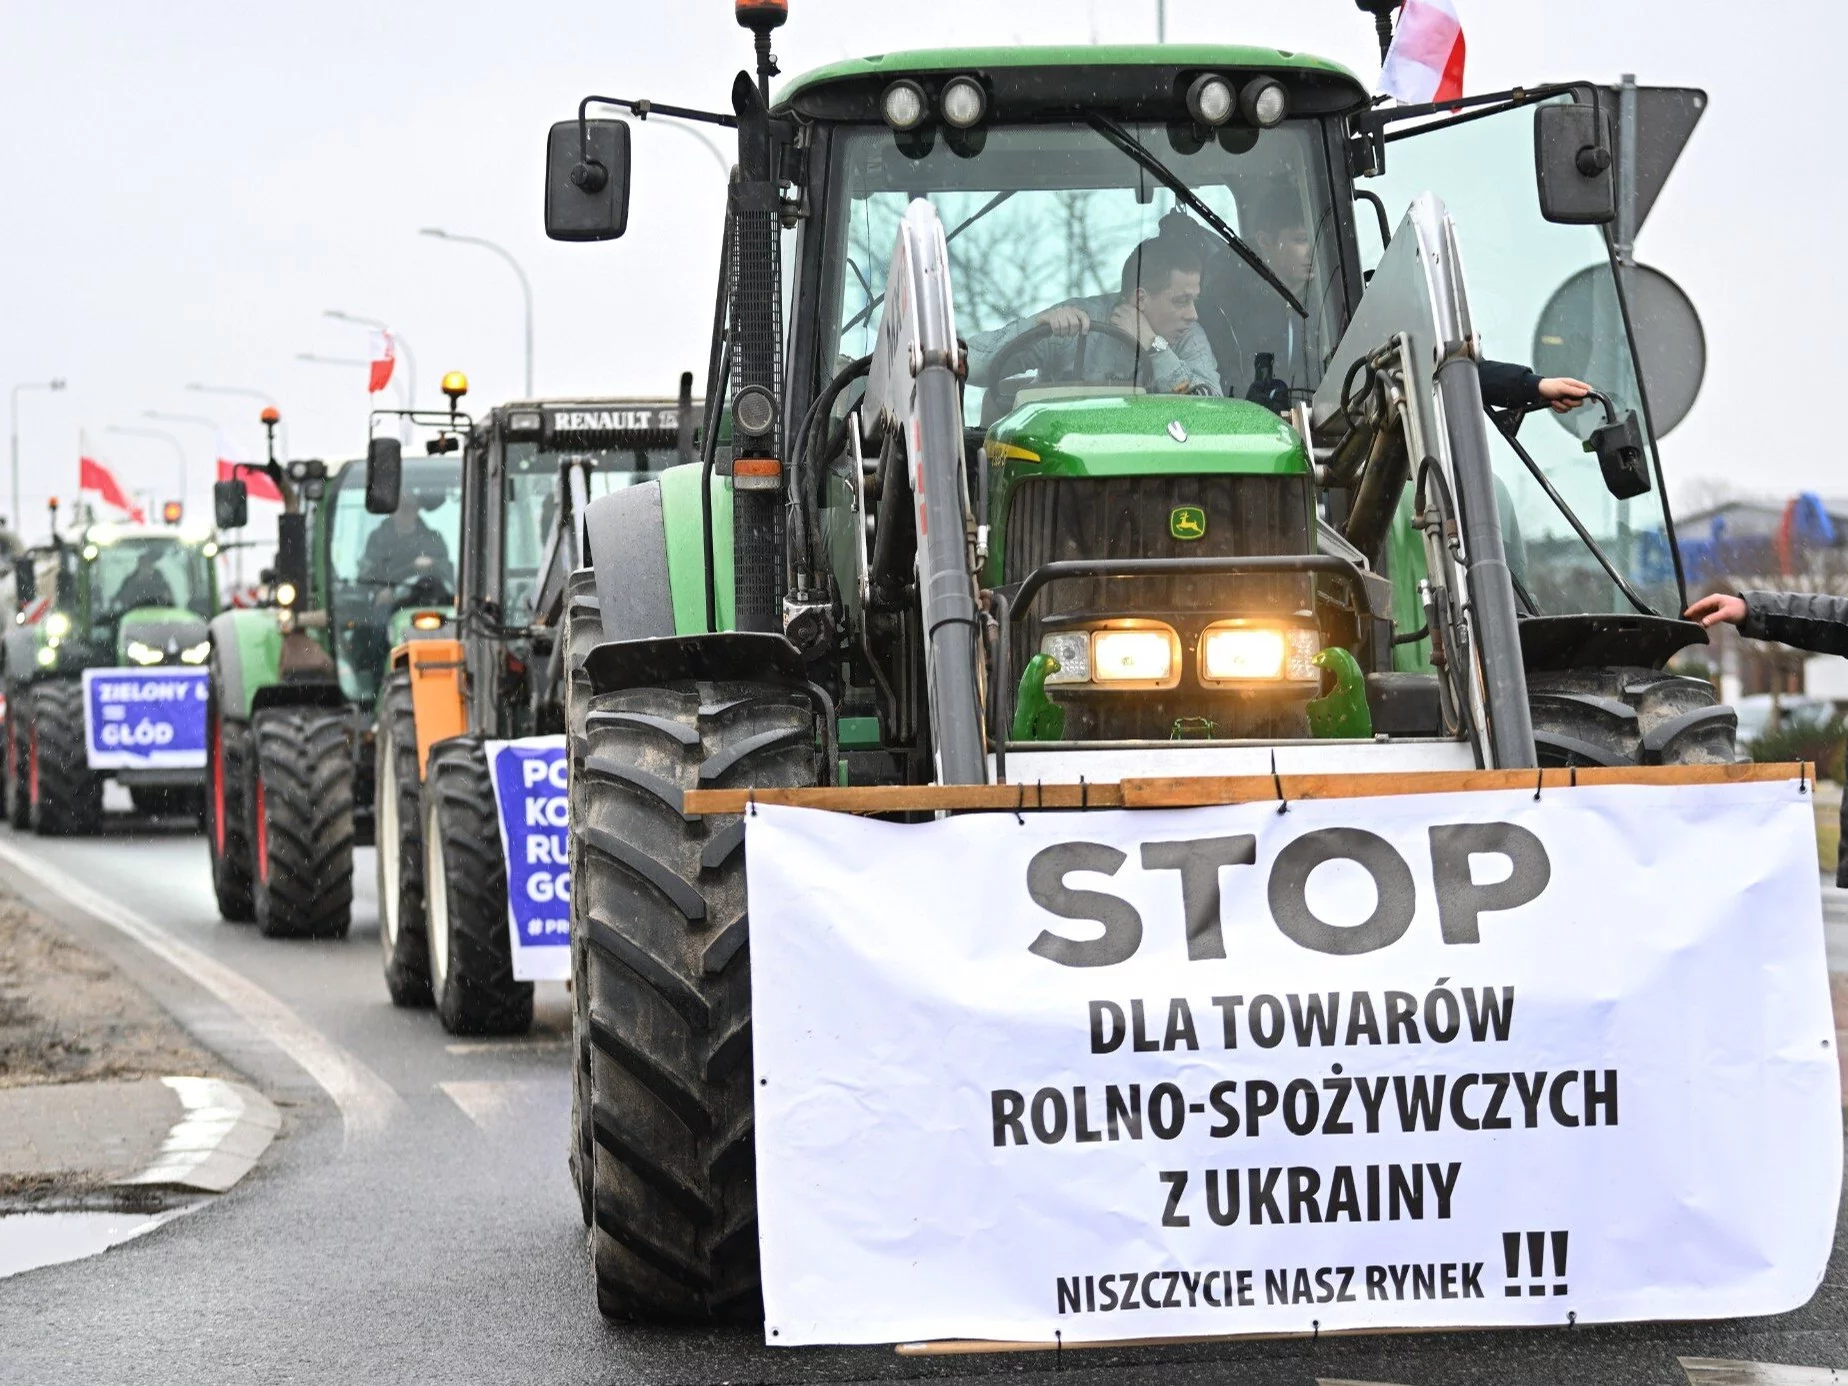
x: 1460, y: 1059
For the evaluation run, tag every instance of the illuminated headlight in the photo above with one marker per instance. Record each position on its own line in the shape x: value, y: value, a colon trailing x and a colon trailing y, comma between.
x: 90, y: 551
x: 524, y: 422
x: 964, y: 103
x: 1147, y: 655
x: 210, y: 550
x: 903, y: 105
x: 196, y: 654
x: 143, y: 654
x: 427, y: 620
x: 1263, y: 102
x: 47, y: 656
x: 285, y: 594
x: 1255, y: 654
x: 1072, y: 648
x: 57, y: 625
x: 1210, y: 100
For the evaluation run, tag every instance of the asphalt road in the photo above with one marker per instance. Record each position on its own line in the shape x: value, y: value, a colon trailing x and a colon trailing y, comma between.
x: 424, y: 1228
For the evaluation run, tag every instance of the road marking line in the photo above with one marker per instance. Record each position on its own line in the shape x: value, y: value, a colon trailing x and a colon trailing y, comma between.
x: 225, y: 1129
x: 488, y: 1102
x: 504, y: 1046
x: 1714, y: 1371
x: 366, y: 1101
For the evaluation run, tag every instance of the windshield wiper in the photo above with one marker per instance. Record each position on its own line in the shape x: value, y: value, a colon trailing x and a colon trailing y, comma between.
x: 1141, y: 153
x: 961, y: 227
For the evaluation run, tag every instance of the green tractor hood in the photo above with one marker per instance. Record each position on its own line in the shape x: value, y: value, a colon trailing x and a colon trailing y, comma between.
x: 169, y: 630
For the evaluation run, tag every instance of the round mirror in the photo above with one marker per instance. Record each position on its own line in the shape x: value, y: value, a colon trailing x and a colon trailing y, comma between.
x: 1669, y: 341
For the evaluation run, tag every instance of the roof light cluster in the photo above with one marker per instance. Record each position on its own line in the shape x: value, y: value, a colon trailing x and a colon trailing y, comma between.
x: 961, y: 104
x: 1261, y: 102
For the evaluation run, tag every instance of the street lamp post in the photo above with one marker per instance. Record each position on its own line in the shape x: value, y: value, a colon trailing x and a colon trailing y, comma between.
x: 247, y: 393
x: 179, y: 452
x: 55, y: 384
x: 526, y: 287
x: 410, y: 361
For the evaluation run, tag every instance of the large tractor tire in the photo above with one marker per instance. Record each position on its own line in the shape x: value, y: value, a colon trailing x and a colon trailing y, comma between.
x: 398, y: 803
x: 583, y: 633
x: 465, y: 897
x: 18, y: 789
x: 302, y: 816
x: 665, y: 974
x: 1628, y: 716
x: 228, y: 829
x: 66, y: 794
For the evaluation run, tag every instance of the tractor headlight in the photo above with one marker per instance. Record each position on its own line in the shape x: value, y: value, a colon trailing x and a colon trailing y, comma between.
x: 1146, y: 655
x: 1210, y: 100
x: 57, y: 625
x: 964, y: 103
x: 1072, y: 648
x: 143, y: 654
x: 1239, y: 652
x: 903, y: 105
x: 427, y: 620
x: 47, y: 656
x: 196, y: 654
x: 285, y: 594
x: 1263, y: 102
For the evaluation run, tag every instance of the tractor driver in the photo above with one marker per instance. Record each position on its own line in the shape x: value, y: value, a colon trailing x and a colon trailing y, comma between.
x: 403, y: 549
x: 145, y: 585
x: 1155, y: 306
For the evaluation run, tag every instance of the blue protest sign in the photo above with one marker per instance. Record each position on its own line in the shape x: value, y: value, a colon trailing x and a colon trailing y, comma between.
x: 529, y: 789
x: 144, y: 719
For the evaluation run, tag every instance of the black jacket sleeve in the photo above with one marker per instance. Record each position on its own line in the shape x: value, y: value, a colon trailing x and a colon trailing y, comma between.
x: 1809, y: 621
x: 1506, y: 385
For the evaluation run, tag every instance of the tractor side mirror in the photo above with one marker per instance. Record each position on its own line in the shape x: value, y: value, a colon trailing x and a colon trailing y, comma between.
x: 1621, y: 457
x: 1572, y: 165
x: 384, y: 475
x: 230, y: 504
x: 587, y: 181
x: 25, y: 581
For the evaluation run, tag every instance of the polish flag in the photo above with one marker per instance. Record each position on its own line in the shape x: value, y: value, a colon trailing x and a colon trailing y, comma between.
x: 1425, y: 62
x: 384, y: 357
x: 95, y: 478
x: 256, y: 480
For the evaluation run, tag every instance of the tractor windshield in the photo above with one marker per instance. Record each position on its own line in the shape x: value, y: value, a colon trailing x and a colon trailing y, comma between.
x: 532, y: 501
x: 1049, y: 217
x: 377, y: 564
x: 131, y: 573
x: 1544, y: 295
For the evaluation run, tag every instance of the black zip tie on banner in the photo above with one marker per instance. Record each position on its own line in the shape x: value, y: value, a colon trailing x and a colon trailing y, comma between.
x: 750, y: 802
x: 1803, y: 777
x: 1058, y: 1351
x: 1084, y: 793
x: 1539, y: 779
x: 1020, y: 802
x: 1283, y: 804
x: 1572, y: 770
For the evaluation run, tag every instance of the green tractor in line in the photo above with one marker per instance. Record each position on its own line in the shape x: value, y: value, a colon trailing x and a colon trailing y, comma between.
x: 98, y: 595
x: 495, y: 671
x: 955, y: 539
x: 293, y: 683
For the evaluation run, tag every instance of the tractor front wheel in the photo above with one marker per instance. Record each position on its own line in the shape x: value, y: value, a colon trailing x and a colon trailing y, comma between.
x: 228, y: 829
x: 66, y: 794
x: 402, y: 932
x: 465, y: 897
x: 1629, y: 716
x: 302, y: 822
x: 18, y: 791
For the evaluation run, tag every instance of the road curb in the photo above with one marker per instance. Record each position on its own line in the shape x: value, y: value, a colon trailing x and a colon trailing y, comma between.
x: 224, y: 1132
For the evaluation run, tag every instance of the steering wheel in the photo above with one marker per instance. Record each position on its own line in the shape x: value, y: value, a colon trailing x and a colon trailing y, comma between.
x: 995, y: 381
x: 426, y: 589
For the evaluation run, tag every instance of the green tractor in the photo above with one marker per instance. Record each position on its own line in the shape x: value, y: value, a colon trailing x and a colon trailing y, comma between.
x: 495, y: 672
x: 293, y: 684
x: 1095, y: 413
x: 99, y: 596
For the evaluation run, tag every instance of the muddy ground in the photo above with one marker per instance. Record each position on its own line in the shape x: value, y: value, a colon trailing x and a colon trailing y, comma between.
x: 68, y: 1015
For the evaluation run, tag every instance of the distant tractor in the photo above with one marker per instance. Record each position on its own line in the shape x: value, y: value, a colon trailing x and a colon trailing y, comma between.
x: 99, y: 595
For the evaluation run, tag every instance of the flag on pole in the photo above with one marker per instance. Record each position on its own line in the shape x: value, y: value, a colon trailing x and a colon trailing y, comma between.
x: 1425, y: 62
x: 255, y: 480
x: 93, y: 478
x: 384, y: 357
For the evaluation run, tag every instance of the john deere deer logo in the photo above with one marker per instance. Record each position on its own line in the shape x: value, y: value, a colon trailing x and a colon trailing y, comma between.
x: 1187, y: 522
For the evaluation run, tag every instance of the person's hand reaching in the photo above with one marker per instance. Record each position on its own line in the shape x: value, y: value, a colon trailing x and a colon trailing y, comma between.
x: 1711, y: 610
x: 1562, y: 393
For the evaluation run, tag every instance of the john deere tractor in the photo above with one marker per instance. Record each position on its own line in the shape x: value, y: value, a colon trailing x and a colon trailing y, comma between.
x: 980, y: 520
x: 493, y: 671
x: 294, y: 681
x: 99, y: 595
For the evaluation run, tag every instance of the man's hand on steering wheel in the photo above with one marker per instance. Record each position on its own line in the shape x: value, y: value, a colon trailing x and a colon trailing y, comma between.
x: 1066, y: 322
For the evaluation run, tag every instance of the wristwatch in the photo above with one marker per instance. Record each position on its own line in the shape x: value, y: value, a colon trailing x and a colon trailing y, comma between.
x: 1157, y: 343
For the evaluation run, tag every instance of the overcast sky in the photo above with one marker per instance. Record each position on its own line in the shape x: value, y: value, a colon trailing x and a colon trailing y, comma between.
x: 188, y: 185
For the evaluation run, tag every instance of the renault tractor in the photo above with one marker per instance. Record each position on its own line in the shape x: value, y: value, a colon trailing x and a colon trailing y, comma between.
x: 100, y: 595
x: 976, y: 524
x: 495, y: 671
x: 294, y: 680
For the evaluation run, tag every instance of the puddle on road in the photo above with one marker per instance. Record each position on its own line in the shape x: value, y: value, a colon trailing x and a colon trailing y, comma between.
x: 31, y: 1240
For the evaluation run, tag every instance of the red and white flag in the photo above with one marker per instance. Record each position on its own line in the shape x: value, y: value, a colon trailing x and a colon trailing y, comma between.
x: 384, y: 357
x: 97, y: 480
x: 1425, y: 62
x: 255, y: 480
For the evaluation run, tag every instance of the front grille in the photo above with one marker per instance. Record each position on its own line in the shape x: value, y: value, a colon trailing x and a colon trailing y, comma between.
x: 1129, y: 517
